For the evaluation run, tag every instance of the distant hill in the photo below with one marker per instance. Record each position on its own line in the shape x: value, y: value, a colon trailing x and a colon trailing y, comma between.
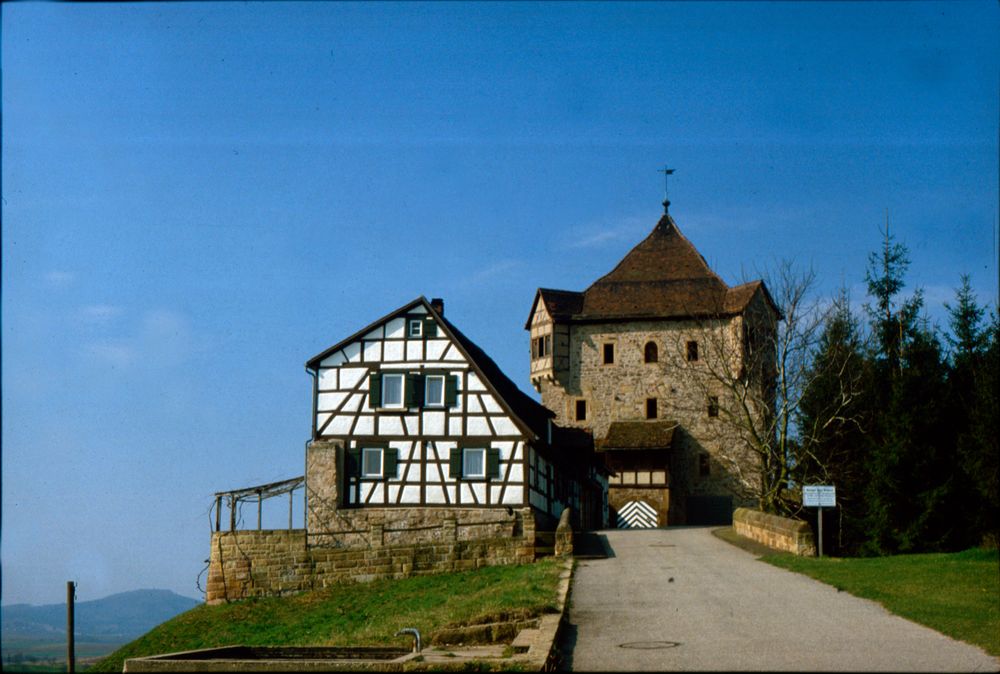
x: 115, y: 619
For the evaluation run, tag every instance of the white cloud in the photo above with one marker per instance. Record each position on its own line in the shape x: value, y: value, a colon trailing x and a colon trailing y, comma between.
x: 595, y: 236
x: 494, y: 269
x: 161, y: 338
x: 116, y: 354
x: 99, y: 313
x: 59, y: 277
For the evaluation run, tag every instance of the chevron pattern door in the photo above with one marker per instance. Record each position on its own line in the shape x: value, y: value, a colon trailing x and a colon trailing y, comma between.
x: 637, y: 515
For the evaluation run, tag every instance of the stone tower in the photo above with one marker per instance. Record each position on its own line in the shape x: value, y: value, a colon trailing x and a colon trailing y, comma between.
x: 634, y: 359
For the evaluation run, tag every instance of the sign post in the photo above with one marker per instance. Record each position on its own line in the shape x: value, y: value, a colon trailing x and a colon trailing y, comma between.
x: 819, y: 496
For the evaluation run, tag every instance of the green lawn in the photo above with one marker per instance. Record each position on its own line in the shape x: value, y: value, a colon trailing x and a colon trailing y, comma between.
x: 367, y: 614
x: 957, y: 594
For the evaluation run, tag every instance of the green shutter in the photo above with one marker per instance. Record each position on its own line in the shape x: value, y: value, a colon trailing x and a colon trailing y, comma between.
x: 451, y: 390
x: 455, y: 463
x: 492, y: 463
x: 413, y: 392
x: 353, y: 467
x: 390, y: 461
x: 375, y: 389
x: 430, y: 327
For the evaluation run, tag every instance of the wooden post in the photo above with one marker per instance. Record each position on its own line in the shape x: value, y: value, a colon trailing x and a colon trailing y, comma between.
x: 218, y: 512
x: 260, y: 505
x: 70, y: 628
x: 291, y: 494
x: 232, y: 513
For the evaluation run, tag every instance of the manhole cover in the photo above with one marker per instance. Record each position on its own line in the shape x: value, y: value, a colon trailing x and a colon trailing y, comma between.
x: 650, y: 645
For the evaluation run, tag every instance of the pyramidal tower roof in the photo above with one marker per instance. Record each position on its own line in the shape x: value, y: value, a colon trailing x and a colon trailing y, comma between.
x: 664, y: 276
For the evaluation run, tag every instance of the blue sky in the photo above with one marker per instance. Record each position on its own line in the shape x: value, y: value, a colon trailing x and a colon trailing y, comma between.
x: 198, y: 197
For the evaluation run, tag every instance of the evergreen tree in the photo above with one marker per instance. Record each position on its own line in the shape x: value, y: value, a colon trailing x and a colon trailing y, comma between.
x: 968, y: 341
x: 833, y: 419
x: 979, y: 448
x: 912, y: 490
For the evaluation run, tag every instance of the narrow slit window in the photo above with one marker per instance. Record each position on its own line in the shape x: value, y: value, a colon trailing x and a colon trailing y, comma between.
x: 704, y: 465
x: 650, y: 408
x: 692, y: 351
x: 609, y: 354
x: 713, y: 406
x: 651, y: 352
x: 581, y: 410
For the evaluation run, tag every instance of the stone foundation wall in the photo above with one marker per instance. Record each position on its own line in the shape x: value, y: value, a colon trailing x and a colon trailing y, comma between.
x: 383, y: 543
x: 780, y: 533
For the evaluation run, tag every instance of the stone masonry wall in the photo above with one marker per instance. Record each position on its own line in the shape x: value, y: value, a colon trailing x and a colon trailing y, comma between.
x: 618, y: 392
x: 246, y: 564
x: 779, y: 533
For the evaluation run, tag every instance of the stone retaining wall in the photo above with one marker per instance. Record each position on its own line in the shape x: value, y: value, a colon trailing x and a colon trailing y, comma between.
x: 779, y: 533
x: 246, y: 564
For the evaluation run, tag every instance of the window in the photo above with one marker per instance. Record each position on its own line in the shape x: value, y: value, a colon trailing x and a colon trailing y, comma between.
x: 416, y: 328
x: 392, y: 390
x: 609, y: 354
x: 704, y: 465
x: 650, y: 408
x: 692, y: 349
x: 434, y: 390
x: 371, y: 462
x: 581, y: 410
x: 713, y: 406
x: 474, y: 462
x: 651, y: 353
x: 541, y: 346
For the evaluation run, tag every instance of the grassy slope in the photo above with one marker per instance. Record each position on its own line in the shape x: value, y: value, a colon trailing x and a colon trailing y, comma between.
x: 957, y: 594
x: 353, y: 615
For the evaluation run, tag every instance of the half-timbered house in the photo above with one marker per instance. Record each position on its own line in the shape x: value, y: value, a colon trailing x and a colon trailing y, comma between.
x: 413, y: 420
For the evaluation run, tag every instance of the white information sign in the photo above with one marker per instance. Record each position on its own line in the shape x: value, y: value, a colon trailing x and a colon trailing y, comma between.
x: 819, y: 496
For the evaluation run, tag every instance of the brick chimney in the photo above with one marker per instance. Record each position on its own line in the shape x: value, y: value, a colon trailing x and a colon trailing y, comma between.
x: 437, y: 304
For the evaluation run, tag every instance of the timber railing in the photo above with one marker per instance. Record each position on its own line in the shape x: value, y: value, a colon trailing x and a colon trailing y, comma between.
x: 235, y: 497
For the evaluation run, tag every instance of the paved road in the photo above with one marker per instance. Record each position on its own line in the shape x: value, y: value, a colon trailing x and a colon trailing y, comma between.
x: 681, y: 599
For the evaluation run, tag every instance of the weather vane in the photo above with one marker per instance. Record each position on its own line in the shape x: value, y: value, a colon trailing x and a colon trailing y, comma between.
x: 666, y: 195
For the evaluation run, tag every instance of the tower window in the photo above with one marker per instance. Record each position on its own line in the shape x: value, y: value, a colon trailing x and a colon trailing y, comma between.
x: 650, y: 353
x: 609, y: 354
x: 581, y: 410
x: 713, y: 406
x: 650, y: 408
x: 692, y: 351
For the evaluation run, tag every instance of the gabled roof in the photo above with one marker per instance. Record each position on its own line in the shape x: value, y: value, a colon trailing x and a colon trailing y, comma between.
x: 664, y: 276
x: 529, y: 415
x: 630, y: 435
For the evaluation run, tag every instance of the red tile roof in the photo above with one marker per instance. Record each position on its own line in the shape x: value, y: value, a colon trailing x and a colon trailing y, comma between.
x: 664, y: 276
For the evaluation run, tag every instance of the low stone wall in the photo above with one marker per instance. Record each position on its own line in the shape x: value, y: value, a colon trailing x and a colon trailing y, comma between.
x: 779, y: 533
x: 246, y: 564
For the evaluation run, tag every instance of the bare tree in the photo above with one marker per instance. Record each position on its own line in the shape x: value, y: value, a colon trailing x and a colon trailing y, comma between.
x: 754, y: 372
